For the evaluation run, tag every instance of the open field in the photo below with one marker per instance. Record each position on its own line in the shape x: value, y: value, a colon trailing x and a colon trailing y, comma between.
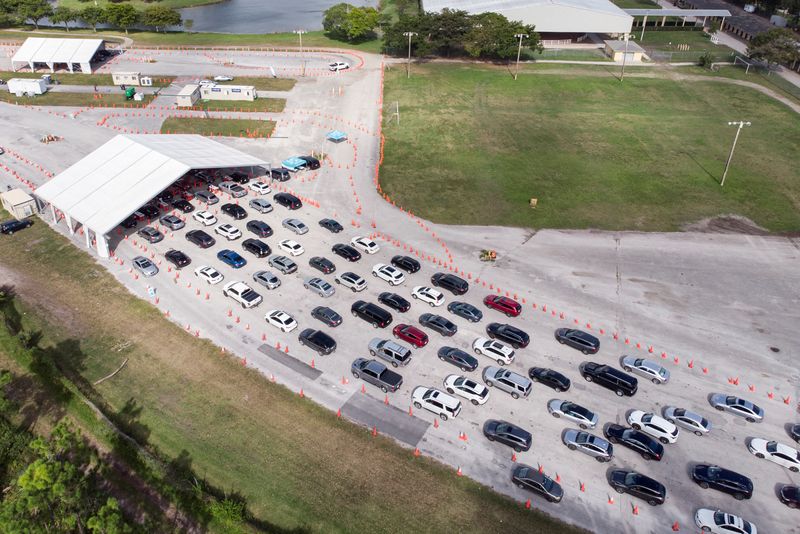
x: 636, y: 4
x: 646, y: 154
x: 75, y: 99
x: 232, y: 426
x: 229, y: 127
x: 263, y: 84
x: 141, y: 4
x: 772, y: 81
x: 81, y: 79
x: 272, y: 105
x: 667, y: 42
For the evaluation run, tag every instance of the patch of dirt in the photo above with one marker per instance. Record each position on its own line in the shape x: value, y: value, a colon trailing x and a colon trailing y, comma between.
x: 726, y: 224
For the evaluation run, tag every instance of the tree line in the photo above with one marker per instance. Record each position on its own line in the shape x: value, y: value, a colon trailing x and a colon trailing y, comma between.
x: 119, y: 15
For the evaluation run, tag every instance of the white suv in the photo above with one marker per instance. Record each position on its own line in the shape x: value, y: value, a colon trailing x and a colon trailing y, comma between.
x: 229, y: 231
x: 655, y: 425
x: 351, y: 280
x: 204, y: 217
x: 365, y: 244
x: 469, y: 389
x: 391, y: 274
x: 438, y: 402
x: 428, y: 294
x: 495, y: 350
x: 259, y: 187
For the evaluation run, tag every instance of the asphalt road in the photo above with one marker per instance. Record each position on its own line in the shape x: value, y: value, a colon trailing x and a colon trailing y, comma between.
x: 720, y: 302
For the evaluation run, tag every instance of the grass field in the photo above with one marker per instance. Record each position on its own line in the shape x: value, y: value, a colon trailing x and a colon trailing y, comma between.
x: 141, y: 4
x: 299, y: 467
x: 273, y: 105
x: 81, y: 79
x: 75, y: 99
x: 264, y: 84
x: 226, y: 127
x: 773, y: 81
x: 636, y: 4
x: 645, y: 154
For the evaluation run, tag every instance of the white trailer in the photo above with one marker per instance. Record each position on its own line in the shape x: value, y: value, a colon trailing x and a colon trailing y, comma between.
x: 27, y: 86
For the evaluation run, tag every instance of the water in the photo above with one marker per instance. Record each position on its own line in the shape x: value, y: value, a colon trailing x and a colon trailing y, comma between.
x: 262, y: 16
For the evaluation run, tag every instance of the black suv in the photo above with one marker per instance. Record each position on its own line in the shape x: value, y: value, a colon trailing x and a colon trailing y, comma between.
x: 281, y: 174
x: 510, y: 334
x: 256, y: 247
x: 238, y: 177
x: 178, y: 258
x: 455, y: 284
x: 635, y: 440
x: 150, y: 212
x: 578, y: 339
x: 9, y: 227
x: 346, y: 251
x: 409, y: 265
x: 515, y: 437
x: 200, y: 238
x: 311, y: 162
x: 317, y: 340
x: 730, y: 482
x: 638, y: 485
x: 327, y: 316
x: 260, y: 228
x: 394, y: 301
x: 549, y: 378
x: 287, y: 200
x: 371, y: 313
x: 608, y: 377
x: 234, y: 210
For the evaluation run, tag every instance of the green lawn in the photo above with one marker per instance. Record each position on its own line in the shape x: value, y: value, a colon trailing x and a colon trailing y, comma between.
x: 75, y: 99
x: 772, y: 81
x: 645, y: 154
x: 80, y: 79
x: 299, y: 468
x: 226, y: 127
x: 273, y: 105
x: 636, y: 4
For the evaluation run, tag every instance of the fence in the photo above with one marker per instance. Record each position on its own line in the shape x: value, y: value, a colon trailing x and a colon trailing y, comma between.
x: 687, y: 56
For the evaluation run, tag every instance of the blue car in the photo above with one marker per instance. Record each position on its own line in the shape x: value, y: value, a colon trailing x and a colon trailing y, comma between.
x: 231, y: 258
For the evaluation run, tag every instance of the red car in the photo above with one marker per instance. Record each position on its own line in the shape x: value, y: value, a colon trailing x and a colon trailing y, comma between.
x: 409, y: 333
x: 510, y: 307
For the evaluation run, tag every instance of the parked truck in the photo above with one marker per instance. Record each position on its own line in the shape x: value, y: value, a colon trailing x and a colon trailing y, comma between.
x: 377, y: 374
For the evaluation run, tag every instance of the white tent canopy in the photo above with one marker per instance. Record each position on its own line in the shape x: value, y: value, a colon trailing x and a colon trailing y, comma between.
x: 548, y: 16
x: 108, y: 185
x: 57, y: 51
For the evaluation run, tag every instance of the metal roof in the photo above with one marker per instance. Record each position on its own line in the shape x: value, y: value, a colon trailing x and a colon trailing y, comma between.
x: 678, y: 12
x: 561, y: 16
x: 109, y: 184
x: 15, y: 197
x: 621, y: 46
x: 45, y: 50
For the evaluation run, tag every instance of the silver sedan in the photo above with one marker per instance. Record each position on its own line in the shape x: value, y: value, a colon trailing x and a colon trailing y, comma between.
x: 649, y: 369
x: 688, y: 420
x: 145, y: 266
x: 737, y: 406
x: 596, y: 447
x: 319, y: 286
x: 574, y: 412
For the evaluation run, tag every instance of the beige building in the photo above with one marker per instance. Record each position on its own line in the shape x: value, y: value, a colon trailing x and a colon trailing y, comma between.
x: 188, y: 96
x: 131, y: 78
x: 617, y: 50
x: 18, y: 203
x: 228, y: 92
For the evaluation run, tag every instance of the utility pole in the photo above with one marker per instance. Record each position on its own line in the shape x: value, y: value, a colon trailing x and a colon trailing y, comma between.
x: 740, y: 124
x: 408, y: 61
x: 300, y: 35
x: 624, y: 58
x: 519, y: 36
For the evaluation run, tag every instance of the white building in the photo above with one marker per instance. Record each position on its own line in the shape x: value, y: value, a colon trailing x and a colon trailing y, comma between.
x: 57, y: 52
x: 549, y: 16
x: 227, y: 92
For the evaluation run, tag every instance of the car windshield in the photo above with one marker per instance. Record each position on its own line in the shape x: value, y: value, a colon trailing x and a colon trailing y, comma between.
x: 714, y: 471
x: 772, y: 446
x: 631, y: 479
x: 583, y: 437
x: 646, y: 418
x: 662, y: 372
x: 548, y: 483
x: 680, y: 412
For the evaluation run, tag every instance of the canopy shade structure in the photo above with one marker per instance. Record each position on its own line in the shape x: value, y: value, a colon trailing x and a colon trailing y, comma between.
x: 548, y: 16
x: 336, y: 136
x: 678, y: 12
x: 109, y: 184
x: 57, y: 51
x: 294, y: 163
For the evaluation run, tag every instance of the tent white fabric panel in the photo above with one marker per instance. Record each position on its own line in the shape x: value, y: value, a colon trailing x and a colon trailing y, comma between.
x: 25, y: 52
x: 55, y: 50
x: 67, y: 49
x: 47, y: 51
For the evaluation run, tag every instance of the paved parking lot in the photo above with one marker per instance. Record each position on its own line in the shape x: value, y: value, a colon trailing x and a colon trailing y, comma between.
x: 719, y: 302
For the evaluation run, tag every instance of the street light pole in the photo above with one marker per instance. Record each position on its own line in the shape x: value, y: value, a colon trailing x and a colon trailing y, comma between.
x: 740, y: 124
x: 408, y: 61
x: 302, y: 59
x: 519, y: 36
x: 624, y: 58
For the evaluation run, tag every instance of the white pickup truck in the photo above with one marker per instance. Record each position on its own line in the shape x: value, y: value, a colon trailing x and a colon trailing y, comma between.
x: 242, y: 293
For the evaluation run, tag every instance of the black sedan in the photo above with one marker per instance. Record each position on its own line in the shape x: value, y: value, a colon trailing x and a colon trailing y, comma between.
x: 438, y: 323
x: 724, y: 480
x: 321, y: 264
x: 327, y: 316
x: 638, y: 485
x: 459, y: 358
x: 346, y: 251
x: 638, y: 441
x: 317, y: 340
x: 409, y: 265
x: 794, y: 431
x: 510, y: 334
x: 9, y: 227
x: 260, y: 228
x: 178, y: 258
x: 455, y: 284
x: 394, y: 301
x: 234, y: 210
x: 507, y: 433
x: 578, y: 339
x: 790, y: 496
x: 331, y: 225
x: 149, y: 212
x: 466, y: 311
x: 528, y: 478
x: 549, y: 378
x: 183, y: 205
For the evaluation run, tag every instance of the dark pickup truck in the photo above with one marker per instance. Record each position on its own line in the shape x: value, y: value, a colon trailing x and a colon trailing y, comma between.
x: 377, y: 374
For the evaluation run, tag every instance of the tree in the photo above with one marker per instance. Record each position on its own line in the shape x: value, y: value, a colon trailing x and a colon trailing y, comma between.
x: 335, y: 19
x: 108, y: 520
x: 451, y: 27
x: 360, y: 23
x: 122, y: 16
x: 35, y: 10
x: 8, y: 13
x: 776, y: 46
x: 64, y: 15
x: 492, y: 36
x: 93, y: 15
x: 160, y: 17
